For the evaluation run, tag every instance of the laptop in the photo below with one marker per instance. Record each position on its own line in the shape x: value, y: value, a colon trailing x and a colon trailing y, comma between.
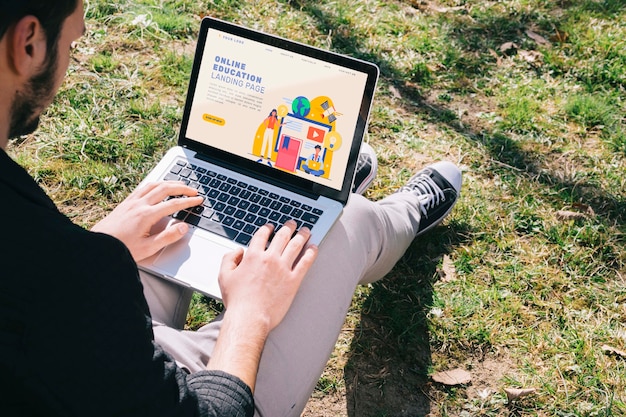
x: 271, y: 131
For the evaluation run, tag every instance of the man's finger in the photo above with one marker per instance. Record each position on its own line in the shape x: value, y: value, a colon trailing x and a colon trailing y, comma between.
x: 231, y: 260
x: 261, y: 237
x: 304, y: 263
x: 296, y: 244
x: 166, y: 237
x: 282, y: 237
x: 144, y: 190
x: 166, y: 189
x: 176, y: 204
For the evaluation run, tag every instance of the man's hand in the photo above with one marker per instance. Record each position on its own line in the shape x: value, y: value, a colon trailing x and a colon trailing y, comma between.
x: 264, y: 281
x: 258, y: 287
x: 134, y: 220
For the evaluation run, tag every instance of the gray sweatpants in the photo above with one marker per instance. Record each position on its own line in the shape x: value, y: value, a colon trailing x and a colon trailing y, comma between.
x: 362, y: 247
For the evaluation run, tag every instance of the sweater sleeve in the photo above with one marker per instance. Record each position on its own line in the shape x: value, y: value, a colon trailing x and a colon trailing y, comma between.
x: 205, y: 394
x: 95, y: 354
x: 229, y: 395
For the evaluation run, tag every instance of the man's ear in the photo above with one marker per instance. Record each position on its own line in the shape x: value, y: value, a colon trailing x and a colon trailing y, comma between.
x: 27, y: 46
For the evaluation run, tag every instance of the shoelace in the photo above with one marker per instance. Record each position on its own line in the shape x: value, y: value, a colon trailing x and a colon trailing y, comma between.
x: 362, y: 162
x: 428, y: 192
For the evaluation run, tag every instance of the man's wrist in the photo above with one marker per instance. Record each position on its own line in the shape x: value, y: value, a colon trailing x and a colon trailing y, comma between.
x: 239, y: 345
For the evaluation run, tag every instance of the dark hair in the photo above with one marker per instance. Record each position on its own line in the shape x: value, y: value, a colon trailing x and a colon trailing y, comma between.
x: 51, y: 15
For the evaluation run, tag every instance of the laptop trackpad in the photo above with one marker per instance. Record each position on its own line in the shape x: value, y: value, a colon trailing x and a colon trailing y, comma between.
x: 195, y: 261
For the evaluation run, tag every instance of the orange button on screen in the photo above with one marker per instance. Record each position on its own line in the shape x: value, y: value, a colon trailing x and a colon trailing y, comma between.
x: 213, y: 119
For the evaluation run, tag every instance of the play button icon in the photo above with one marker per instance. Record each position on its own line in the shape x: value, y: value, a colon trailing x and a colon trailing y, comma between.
x: 315, y: 134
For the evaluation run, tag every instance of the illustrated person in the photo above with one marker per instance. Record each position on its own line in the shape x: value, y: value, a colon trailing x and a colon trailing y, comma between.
x: 314, y: 163
x: 270, y: 122
x: 83, y: 333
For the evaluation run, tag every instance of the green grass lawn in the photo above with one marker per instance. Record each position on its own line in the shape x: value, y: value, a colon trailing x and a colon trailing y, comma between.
x: 523, y: 286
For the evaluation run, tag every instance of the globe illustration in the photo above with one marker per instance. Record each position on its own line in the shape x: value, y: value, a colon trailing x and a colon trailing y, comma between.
x: 301, y: 106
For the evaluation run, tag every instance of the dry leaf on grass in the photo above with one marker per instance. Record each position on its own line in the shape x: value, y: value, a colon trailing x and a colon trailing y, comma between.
x: 496, y: 56
x: 395, y: 92
x: 570, y: 215
x: 456, y: 376
x: 515, y: 393
x: 508, y: 47
x: 447, y: 271
x: 531, y: 56
x: 537, y: 38
x: 580, y: 212
x: 441, y: 9
x: 611, y: 350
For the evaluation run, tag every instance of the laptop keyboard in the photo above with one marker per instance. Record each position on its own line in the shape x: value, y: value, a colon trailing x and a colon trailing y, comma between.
x: 234, y: 209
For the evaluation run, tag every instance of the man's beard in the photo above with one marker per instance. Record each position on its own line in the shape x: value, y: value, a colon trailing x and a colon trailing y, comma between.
x: 29, y: 103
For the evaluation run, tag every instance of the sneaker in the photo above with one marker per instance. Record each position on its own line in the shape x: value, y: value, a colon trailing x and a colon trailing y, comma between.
x: 366, y: 169
x: 438, y: 187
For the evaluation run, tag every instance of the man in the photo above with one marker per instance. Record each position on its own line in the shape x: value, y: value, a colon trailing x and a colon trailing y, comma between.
x: 80, y: 335
x: 313, y: 164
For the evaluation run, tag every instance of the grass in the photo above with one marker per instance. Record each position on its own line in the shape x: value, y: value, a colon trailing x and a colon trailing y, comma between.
x: 506, y: 288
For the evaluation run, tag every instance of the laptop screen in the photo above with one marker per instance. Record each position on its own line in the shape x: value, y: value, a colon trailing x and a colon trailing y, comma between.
x: 276, y: 103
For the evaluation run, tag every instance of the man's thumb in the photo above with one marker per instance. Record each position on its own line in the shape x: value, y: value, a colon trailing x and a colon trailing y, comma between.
x: 171, y: 234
